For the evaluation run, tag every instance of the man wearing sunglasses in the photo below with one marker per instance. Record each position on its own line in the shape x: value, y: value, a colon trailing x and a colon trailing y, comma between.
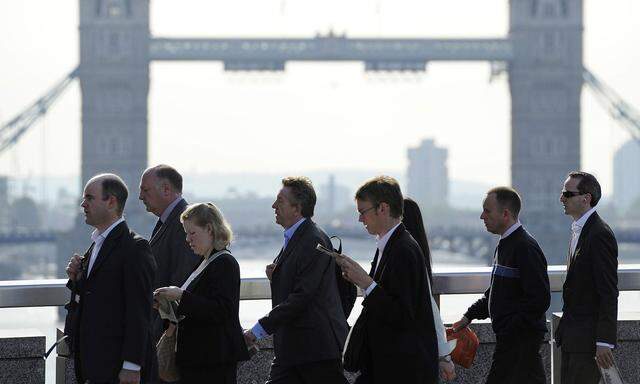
x: 587, y: 329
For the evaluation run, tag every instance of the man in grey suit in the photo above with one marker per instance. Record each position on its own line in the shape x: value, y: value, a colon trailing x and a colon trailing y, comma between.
x: 161, y: 193
x: 307, y: 319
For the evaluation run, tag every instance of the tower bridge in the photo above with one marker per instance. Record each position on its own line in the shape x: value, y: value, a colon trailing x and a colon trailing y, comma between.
x: 542, y: 55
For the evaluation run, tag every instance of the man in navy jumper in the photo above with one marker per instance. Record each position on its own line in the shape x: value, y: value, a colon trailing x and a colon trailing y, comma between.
x: 518, y: 297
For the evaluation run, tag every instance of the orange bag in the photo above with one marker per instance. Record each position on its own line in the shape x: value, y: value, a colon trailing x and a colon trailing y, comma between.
x: 466, y: 346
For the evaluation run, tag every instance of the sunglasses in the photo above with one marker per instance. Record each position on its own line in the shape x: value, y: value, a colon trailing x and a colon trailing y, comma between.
x: 570, y: 194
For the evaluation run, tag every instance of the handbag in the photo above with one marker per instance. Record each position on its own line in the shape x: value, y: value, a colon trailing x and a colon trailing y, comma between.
x: 467, y: 343
x: 354, y: 346
x: 166, y: 351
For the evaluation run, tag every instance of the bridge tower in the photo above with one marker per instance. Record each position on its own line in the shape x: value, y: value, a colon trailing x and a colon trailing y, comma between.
x: 545, y: 79
x: 114, y: 80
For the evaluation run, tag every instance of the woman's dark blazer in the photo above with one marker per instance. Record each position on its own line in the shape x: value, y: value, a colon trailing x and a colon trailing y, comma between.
x: 210, y: 333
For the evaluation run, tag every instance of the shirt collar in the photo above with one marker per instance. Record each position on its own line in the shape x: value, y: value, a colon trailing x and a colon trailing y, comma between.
x: 381, y: 242
x: 169, y: 209
x: 577, y: 225
x: 288, y: 233
x: 97, y: 236
x: 511, y: 230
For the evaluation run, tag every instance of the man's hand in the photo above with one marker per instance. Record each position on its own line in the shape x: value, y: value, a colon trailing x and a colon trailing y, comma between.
x: 353, y: 272
x: 604, y: 356
x: 74, y: 267
x: 269, y: 270
x: 127, y: 376
x: 249, y: 338
x: 447, y: 370
x: 461, y: 324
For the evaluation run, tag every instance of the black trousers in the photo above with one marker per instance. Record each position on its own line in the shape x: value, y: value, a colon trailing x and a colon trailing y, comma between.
x: 317, y: 372
x: 579, y: 368
x: 517, y: 361
x: 215, y: 374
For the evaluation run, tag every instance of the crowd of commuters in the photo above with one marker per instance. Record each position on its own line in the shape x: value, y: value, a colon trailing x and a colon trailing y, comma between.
x: 113, y: 320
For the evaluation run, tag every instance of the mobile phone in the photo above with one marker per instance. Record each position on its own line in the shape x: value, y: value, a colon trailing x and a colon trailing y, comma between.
x: 327, y: 251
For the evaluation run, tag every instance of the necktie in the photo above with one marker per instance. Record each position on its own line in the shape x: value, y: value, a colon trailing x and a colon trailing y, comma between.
x: 374, y: 264
x: 156, y: 228
x: 575, y: 229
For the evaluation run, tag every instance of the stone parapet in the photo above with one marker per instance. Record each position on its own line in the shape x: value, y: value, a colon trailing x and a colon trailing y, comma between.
x: 21, y: 352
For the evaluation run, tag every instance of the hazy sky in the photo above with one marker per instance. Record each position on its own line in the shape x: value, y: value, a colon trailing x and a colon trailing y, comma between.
x: 325, y: 115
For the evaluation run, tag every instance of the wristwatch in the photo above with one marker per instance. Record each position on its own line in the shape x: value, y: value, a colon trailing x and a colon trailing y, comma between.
x: 446, y: 358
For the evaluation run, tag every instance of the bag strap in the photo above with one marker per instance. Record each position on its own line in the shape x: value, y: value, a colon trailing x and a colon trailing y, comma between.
x: 192, y: 278
x: 339, y: 243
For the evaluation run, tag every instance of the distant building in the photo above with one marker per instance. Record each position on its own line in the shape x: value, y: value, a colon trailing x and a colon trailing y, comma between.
x: 333, y: 197
x: 626, y: 178
x: 4, y: 204
x: 427, y: 175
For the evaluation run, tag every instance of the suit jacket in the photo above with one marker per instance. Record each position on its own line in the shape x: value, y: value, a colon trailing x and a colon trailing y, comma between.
x: 113, y: 316
x: 210, y: 333
x: 401, y: 343
x: 307, y: 319
x: 590, y: 291
x: 173, y: 256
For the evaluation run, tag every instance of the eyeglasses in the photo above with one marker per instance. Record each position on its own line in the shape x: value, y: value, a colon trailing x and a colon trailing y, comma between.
x: 570, y: 194
x: 367, y: 210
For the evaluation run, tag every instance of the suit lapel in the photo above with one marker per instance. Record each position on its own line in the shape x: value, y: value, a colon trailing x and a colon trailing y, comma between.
x: 173, y: 217
x: 84, y: 265
x: 374, y: 263
x: 584, y: 234
x: 385, y: 259
x: 293, y: 242
x: 108, y: 245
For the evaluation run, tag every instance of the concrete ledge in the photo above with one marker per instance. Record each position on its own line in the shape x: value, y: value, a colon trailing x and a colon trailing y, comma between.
x: 256, y: 370
x: 21, y: 359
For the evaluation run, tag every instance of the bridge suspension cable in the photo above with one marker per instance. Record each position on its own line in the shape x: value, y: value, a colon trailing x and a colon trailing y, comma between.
x: 618, y: 109
x: 11, y: 131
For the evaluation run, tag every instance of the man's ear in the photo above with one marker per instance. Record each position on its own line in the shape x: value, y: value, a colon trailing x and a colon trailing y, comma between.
x: 112, y: 203
x: 383, y: 207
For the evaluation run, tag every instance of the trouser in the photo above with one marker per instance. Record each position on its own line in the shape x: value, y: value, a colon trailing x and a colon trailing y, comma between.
x: 517, y: 360
x: 579, y: 368
x: 317, y: 372
x: 215, y: 374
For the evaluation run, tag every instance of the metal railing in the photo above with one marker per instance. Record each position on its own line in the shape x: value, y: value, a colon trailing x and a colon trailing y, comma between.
x: 46, y: 293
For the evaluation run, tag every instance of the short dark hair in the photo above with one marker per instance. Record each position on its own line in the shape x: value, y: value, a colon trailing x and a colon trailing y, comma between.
x: 168, y: 173
x: 112, y: 185
x: 587, y: 183
x: 383, y: 189
x: 507, y: 198
x: 302, y: 193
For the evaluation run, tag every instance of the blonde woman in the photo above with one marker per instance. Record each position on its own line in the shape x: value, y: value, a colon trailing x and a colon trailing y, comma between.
x: 209, y: 339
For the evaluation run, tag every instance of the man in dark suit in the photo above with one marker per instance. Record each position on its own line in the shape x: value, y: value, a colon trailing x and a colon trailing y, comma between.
x: 161, y: 193
x: 590, y: 292
x: 112, y: 292
x: 307, y: 319
x: 400, y: 345
x: 519, y: 294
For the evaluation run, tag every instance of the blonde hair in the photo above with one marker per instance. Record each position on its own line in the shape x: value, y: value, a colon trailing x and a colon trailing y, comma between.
x: 202, y: 214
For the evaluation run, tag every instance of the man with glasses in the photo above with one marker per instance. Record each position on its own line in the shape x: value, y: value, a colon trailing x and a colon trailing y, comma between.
x: 400, y: 340
x: 587, y: 329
